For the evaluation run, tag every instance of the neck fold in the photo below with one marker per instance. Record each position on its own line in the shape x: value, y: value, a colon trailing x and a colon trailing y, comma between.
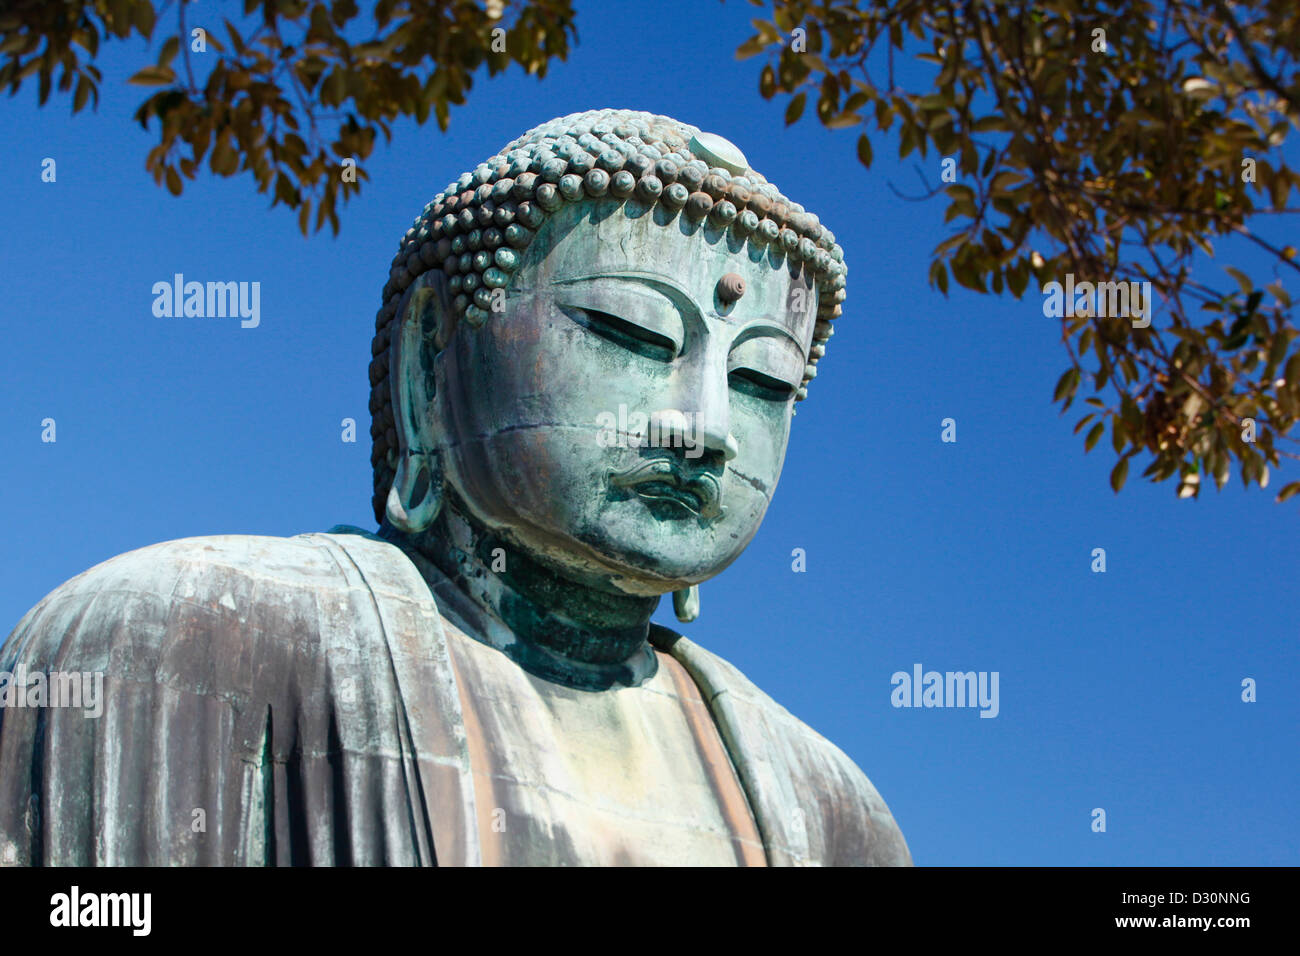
x: 554, y: 627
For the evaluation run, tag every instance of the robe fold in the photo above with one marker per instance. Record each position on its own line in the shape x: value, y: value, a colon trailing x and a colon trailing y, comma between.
x: 293, y: 701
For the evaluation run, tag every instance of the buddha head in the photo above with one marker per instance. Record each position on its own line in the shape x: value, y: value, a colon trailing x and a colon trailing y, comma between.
x: 591, y: 346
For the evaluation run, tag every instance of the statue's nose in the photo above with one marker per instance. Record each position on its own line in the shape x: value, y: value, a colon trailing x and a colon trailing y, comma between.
x: 719, y: 441
x: 691, y: 432
x: 703, y: 403
x: 714, y: 400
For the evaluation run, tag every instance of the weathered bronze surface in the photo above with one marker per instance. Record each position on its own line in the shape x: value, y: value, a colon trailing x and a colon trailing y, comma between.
x: 586, y: 363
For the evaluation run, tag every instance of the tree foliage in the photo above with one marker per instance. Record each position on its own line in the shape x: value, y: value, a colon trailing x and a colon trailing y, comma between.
x: 1110, y: 142
x: 294, y: 90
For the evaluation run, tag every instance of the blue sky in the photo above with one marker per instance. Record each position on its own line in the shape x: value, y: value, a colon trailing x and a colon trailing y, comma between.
x: 1118, y: 690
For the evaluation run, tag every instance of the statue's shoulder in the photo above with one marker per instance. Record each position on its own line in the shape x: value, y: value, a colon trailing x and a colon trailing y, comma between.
x: 813, y: 803
x: 231, y: 670
x: 220, y: 595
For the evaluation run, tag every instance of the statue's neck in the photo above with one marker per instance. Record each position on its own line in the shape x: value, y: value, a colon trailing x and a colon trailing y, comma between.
x: 562, y: 629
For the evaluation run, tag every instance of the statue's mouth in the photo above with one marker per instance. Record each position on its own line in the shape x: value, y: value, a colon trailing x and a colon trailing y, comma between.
x: 659, y: 479
x: 688, y: 499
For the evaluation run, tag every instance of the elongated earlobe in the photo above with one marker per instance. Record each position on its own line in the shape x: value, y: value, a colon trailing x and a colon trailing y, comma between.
x: 686, y: 603
x: 416, y: 496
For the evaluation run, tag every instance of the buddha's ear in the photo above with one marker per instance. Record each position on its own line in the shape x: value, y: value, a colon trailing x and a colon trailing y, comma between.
x: 424, y: 325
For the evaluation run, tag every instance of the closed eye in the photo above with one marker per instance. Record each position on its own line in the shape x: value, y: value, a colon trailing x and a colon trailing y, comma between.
x: 629, y: 335
x: 749, y: 381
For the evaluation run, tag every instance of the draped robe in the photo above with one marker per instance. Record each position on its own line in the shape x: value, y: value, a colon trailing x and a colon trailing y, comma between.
x: 273, y: 701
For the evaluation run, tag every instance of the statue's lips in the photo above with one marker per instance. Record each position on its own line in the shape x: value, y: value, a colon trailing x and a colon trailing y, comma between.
x: 682, y: 496
x: 659, y: 479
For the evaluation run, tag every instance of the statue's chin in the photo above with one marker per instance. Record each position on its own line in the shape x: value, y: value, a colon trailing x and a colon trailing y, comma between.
x: 607, y: 562
x: 626, y: 544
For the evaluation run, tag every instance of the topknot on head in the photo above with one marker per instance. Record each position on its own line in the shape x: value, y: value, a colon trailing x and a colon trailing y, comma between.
x: 605, y: 153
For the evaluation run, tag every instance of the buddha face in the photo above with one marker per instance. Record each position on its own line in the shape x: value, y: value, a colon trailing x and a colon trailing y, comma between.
x: 624, y: 418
